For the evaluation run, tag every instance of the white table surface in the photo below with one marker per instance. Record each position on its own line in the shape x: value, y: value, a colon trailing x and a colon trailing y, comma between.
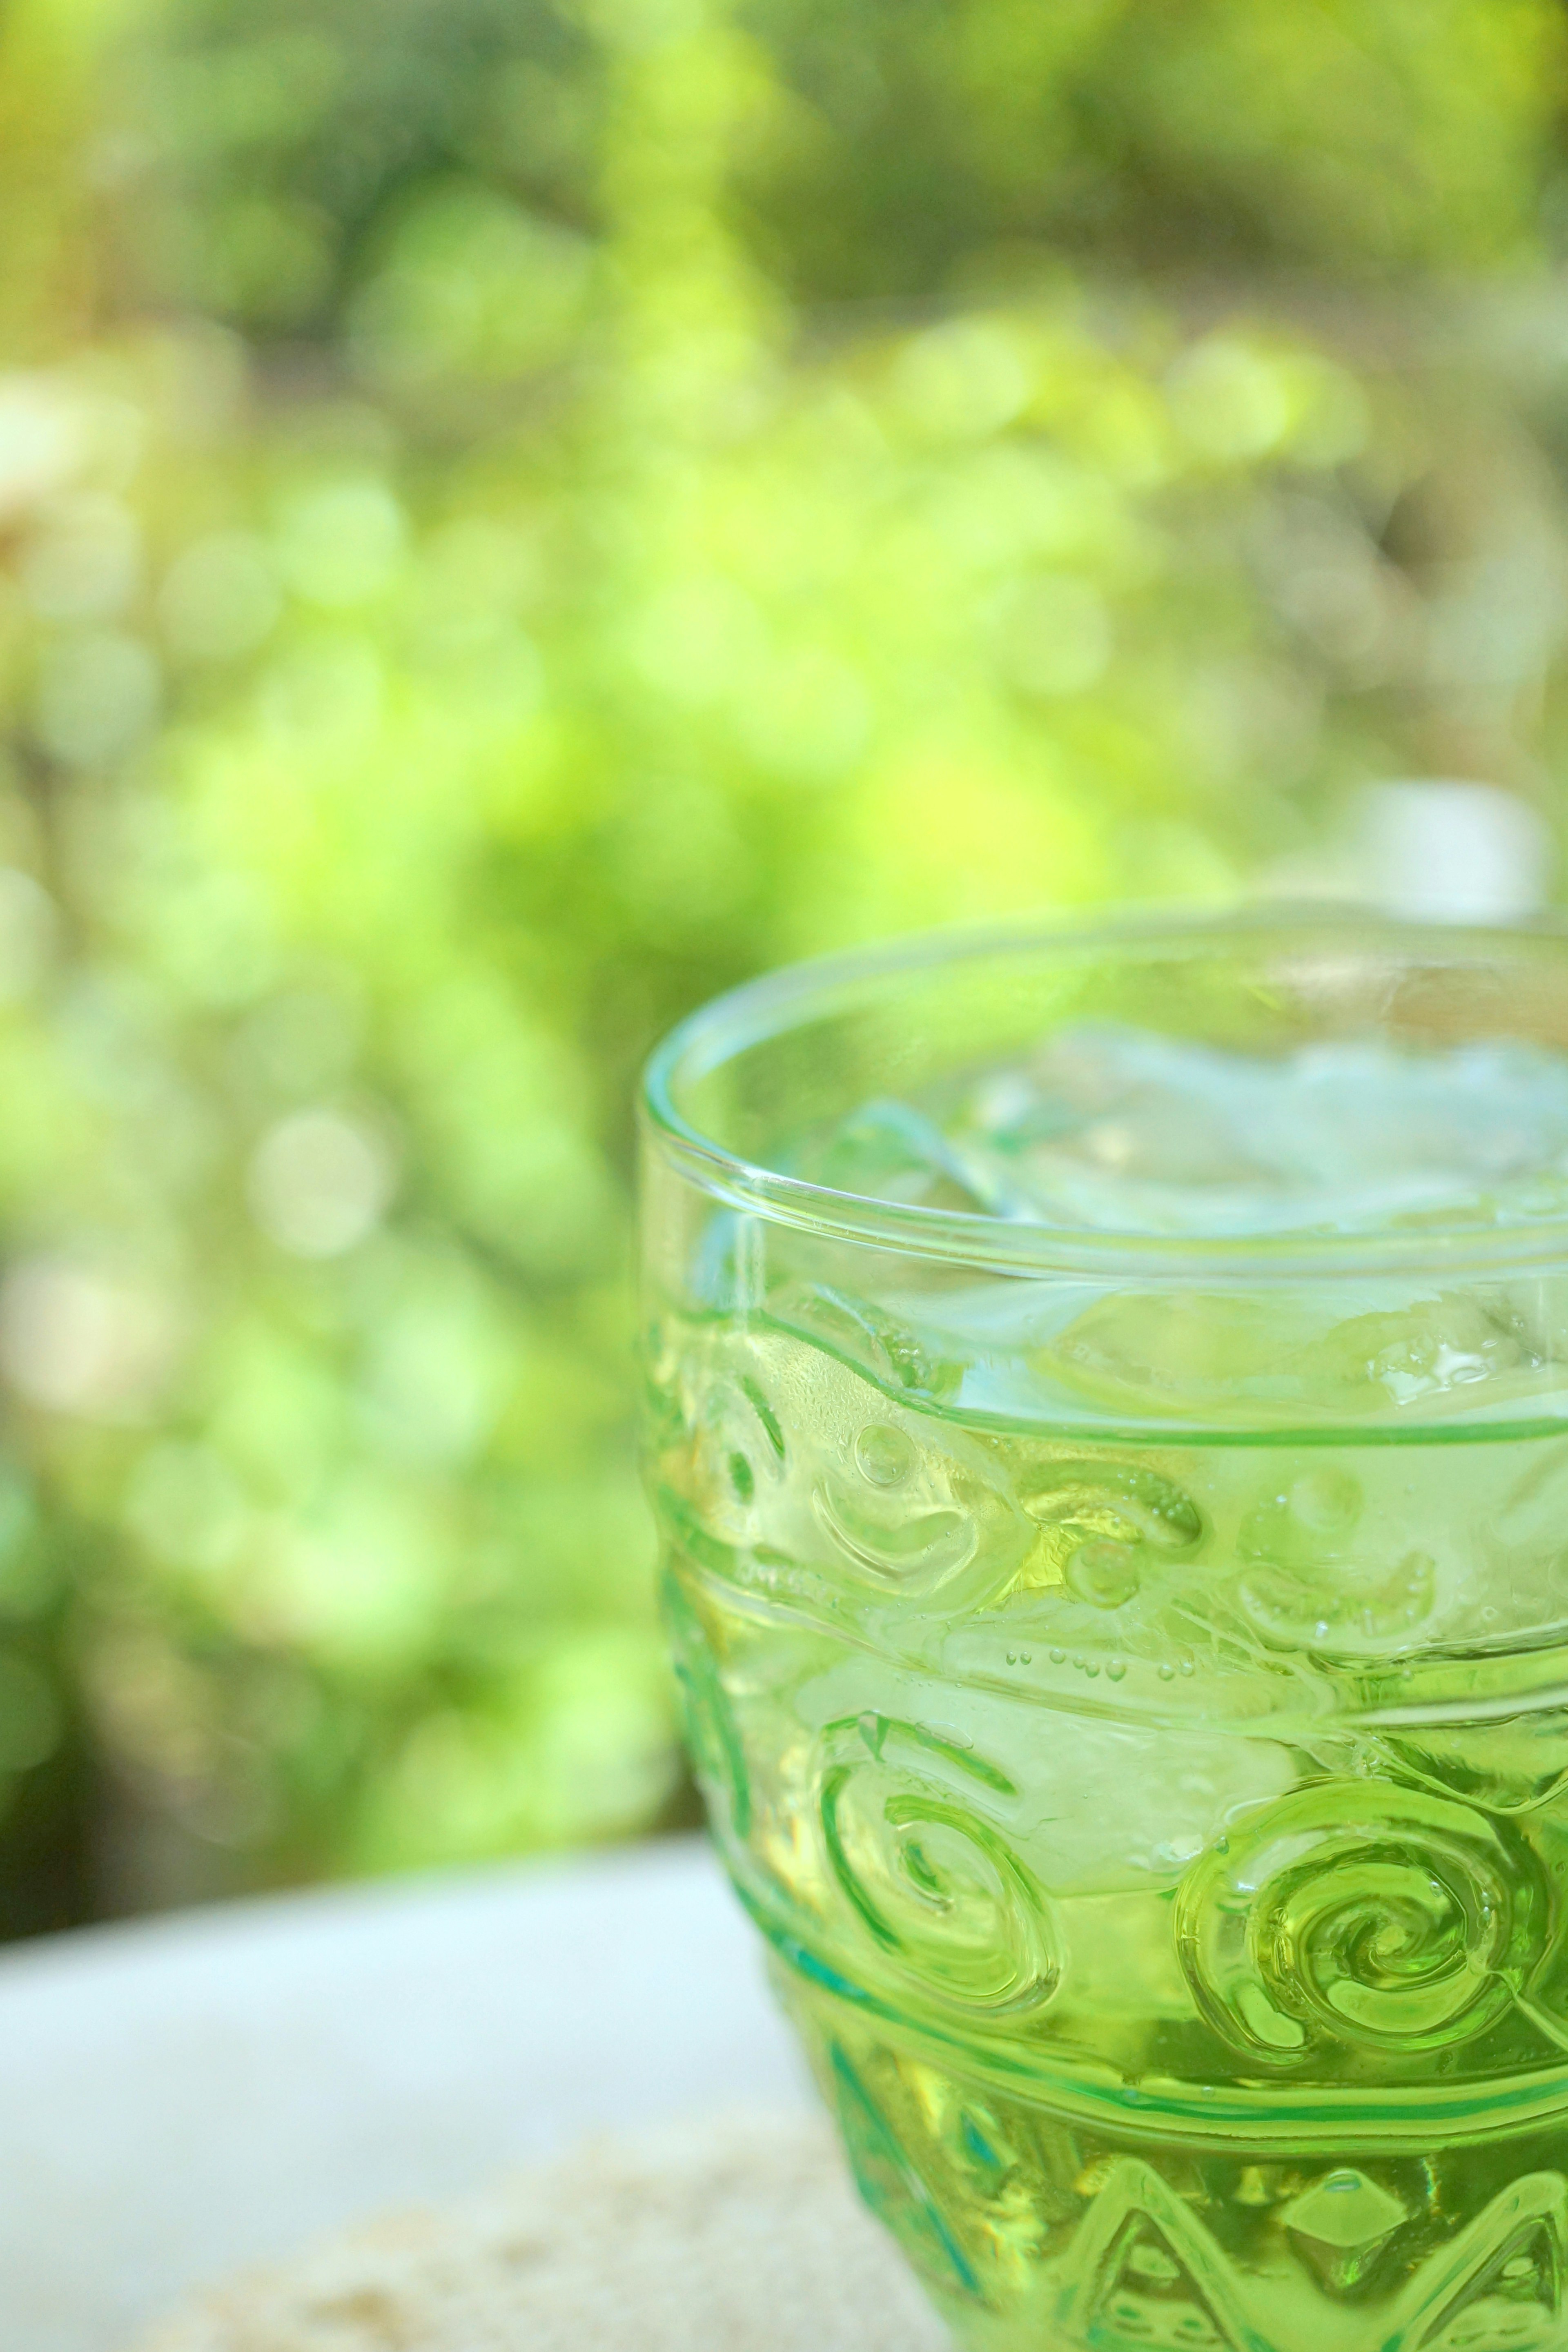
x: 182, y: 2095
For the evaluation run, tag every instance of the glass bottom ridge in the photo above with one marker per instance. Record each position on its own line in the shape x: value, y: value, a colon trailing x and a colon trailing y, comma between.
x: 1044, y: 2225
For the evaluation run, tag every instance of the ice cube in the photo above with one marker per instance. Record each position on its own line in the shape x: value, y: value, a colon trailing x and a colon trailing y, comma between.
x: 1344, y: 1352
x: 1089, y: 1805
x: 1123, y: 1129
x: 892, y: 1151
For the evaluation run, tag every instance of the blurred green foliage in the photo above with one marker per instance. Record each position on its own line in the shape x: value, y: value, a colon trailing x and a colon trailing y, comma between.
x: 512, y: 518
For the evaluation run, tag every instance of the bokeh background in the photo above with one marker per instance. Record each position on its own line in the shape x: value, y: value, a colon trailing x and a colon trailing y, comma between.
x: 515, y: 514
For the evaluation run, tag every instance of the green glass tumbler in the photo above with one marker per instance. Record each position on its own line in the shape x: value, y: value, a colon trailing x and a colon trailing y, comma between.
x: 1107, y: 1415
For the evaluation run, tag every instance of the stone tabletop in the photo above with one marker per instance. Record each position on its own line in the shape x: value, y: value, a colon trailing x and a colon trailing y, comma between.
x: 186, y: 2095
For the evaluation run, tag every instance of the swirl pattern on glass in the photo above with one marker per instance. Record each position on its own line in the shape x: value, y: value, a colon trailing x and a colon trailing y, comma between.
x: 1359, y: 1913
x: 913, y: 1842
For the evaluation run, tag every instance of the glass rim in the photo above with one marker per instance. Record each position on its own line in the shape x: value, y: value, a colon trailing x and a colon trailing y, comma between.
x: 748, y: 1015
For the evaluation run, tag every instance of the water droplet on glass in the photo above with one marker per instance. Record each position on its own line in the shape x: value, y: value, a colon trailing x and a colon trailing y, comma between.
x: 1104, y: 1573
x: 884, y: 1456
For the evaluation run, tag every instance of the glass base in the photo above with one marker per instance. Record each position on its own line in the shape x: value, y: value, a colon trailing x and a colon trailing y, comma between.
x: 1035, y: 2232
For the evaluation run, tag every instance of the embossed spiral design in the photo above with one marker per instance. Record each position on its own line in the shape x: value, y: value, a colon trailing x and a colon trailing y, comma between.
x: 1355, y: 1914
x: 930, y: 1878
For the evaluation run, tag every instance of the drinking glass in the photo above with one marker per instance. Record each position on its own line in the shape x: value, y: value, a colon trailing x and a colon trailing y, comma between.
x: 1107, y: 1423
